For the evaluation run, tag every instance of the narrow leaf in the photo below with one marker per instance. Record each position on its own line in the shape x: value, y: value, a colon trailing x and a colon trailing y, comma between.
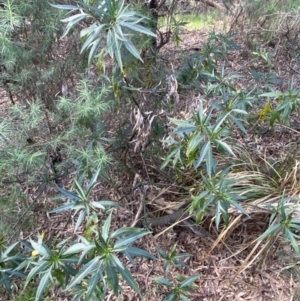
x: 93, y: 179
x: 80, y: 219
x: 133, y: 251
x: 190, y: 280
x: 112, y: 278
x: 130, y: 239
x: 163, y: 281
x: 68, y: 7
x: 43, y: 285
x: 270, y: 231
x: 106, y: 227
x: 63, y: 207
x: 85, y: 271
x: 67, y: 193
x: 219, y: 122
x: 129, y: 279
x: 139, y: 28
x: 203, y: 153
x: 225, y: 146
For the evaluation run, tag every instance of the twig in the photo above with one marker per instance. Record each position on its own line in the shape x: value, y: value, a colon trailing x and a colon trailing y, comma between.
x: 137, y: 216
x: 41, y: 188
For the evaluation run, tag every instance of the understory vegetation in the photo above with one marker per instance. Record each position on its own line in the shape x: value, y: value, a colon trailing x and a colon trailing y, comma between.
x: 108, y: 114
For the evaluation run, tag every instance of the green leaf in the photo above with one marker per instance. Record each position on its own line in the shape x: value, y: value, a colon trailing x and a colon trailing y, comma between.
x: 118, y: 34
x: 194, y: 143
x: 68, y: 7
x: 188, y: 281
x: 203, y: 153
x: 218, y: 214
x: 64, y: 207
x: 272, y: 94
x: 106, y: 227
x: 114, y: 259
x: 80, y: 220
x: 98, y: 274
x: 239, y: 124
x: 67, y: 193
x: 239, y: 207
x: 93, y: 51
x: 225, y: 146
x: 74, y: 19
x: 220, y: 122
x: 172, y: 297
x: 182, y: 123
x: 270, y: 231
x: 129, y: 279
x: 112, y: 278
x: 184, y: 298
x: 72, y: 23
x: 36, y: 270
x: 107, y: 203
x: 295, y: 222
x: 291, y: 237
x: 182, y: 255
x: 40, y: 248
x: 138, y: 28
x: 80, y: 191
x: 77, y: 248
x: 130, y: 239
x: 162, y: 253
x: 98, y: 205
x: 163, y: 281
x: 9, y: 249
x: 126, y: 231
x: 43, y: 285
x: 201, y: 112
x: 210, y: 164
x: 88, y: 31
x: 86, y: 270
x: 133, y: 251
x: 132, y: 49
x: 93, y: 180
x: 240, y: 111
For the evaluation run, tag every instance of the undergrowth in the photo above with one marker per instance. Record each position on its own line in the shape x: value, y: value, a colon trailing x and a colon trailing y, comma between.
x: 78, y: 119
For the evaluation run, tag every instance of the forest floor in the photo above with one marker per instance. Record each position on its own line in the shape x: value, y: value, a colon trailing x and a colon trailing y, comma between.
x: 222, y: 266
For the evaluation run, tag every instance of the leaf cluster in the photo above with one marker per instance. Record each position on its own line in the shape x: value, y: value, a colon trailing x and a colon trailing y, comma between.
x: 111, y: 20
x: 86, y: 268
